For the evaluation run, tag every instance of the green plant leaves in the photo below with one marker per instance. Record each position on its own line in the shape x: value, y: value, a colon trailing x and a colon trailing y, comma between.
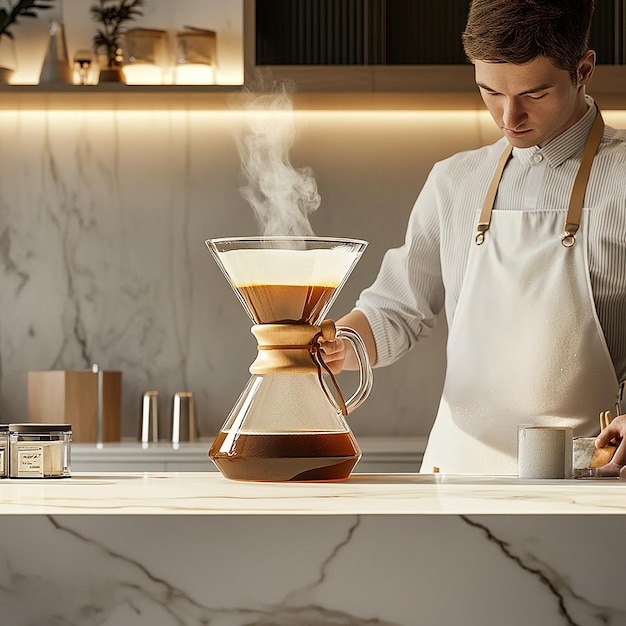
x: 112, y: 14
x: 23, y: 8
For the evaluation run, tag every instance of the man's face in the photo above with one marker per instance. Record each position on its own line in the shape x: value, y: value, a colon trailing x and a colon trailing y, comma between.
x: 534, y: 102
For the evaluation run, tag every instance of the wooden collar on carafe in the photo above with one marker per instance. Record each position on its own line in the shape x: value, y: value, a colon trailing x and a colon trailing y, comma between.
x: 577, y: 198
x: 294, y: 349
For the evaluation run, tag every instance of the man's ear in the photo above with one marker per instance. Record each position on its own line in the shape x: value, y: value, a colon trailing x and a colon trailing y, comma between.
x: 586, y: 65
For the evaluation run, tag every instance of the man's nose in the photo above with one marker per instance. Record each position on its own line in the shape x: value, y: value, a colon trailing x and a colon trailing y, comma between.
x: 514, y: 114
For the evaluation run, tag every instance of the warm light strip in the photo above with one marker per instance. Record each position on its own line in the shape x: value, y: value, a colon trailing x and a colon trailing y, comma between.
x: 141, y: 120
x: 613, y: 118
x: 237, y: 113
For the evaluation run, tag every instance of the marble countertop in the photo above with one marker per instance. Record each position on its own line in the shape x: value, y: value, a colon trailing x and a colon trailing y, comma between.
x: 209, y: 493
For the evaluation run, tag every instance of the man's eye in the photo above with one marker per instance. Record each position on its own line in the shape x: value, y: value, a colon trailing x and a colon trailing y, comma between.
x: 535, y: 96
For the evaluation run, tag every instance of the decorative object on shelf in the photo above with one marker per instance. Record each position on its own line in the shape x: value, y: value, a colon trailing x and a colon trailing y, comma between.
x: 83, y: 66
x: 112, y: 15
x: 56, y: 66
x: 8, y: 63
x: 196, y: 56
x: 8, y: 17
x: 145, y: 56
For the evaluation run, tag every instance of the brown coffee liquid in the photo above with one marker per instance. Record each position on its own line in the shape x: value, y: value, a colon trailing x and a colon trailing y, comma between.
x: 285, y: 303
x: 286, y: 457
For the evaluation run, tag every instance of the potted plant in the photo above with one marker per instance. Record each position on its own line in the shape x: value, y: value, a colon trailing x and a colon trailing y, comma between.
x: 8, y: 17
x: 111, y: 15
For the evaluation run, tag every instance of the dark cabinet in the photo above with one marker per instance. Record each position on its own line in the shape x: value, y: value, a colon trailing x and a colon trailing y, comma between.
x: 392, y: 32
x: 608, y: 32
x: 345, y: 54
x: 359, y: 32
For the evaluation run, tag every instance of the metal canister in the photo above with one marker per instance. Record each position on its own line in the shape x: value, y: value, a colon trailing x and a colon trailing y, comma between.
x: 149, y: 424
x: 184, y: 426
x: 4, y: 450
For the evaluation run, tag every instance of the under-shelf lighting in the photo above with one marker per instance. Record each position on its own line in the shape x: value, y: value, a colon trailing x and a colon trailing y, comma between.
x: 449, y: 121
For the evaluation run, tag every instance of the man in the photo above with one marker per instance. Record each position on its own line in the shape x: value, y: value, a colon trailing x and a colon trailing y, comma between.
x: 523, y: 243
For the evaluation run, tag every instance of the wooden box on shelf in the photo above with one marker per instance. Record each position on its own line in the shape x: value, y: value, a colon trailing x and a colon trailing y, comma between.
x: 71, y: 397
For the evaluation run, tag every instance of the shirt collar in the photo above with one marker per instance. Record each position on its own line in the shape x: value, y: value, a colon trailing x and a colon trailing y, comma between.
x: 564, y: 146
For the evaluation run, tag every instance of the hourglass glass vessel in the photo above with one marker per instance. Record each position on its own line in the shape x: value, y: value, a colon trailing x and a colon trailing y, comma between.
x: 287, y: 424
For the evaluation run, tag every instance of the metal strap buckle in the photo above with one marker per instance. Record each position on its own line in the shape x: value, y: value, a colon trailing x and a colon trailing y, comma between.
x: 569, y: 238
x: 480, y: 235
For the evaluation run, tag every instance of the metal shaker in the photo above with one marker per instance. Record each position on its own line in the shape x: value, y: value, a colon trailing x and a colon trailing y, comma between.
x: 183, y: 417
x: 149, y: 424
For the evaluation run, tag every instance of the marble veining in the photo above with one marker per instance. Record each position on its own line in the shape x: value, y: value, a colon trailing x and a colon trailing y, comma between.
x: 83, y: 570
x: 209, y: 493
x: 103, y: 217
x: 568, y: 601
x: 385, y: 550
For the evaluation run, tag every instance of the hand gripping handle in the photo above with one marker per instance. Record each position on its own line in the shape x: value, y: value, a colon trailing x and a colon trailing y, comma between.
x: 366, y: 377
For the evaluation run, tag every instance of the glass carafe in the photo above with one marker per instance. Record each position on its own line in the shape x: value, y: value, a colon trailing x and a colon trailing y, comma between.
x: 288, y: 424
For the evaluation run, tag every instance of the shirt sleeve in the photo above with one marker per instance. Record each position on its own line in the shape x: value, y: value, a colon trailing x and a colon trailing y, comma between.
x: 402, y: 304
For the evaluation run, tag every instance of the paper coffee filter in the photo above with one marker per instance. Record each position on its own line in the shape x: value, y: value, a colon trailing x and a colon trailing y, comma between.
x: 288, y: 267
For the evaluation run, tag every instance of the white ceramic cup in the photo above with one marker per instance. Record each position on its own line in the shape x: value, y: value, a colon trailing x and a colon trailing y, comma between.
x: 544, y: 452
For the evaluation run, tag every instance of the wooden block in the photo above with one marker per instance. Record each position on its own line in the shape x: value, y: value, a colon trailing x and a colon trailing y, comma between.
x: 71, y: 397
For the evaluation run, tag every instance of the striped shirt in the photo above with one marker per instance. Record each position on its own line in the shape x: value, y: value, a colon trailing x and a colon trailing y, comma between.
x: 422, y: 277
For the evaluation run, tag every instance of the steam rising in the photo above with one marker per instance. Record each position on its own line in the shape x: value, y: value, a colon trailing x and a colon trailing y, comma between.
x: 281, y: 196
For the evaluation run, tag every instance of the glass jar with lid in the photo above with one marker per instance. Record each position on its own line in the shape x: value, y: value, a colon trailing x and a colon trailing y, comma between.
x: 39, y: 450
x: 4, y: 450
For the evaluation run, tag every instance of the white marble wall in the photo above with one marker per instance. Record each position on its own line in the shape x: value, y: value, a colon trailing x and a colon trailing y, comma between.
x: 103, y: 217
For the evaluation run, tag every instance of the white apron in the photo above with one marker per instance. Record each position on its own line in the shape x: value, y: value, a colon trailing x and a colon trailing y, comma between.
x: 525, y: 345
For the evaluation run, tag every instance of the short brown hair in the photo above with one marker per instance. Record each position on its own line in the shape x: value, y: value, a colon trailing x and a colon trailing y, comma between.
x: 518, y: 31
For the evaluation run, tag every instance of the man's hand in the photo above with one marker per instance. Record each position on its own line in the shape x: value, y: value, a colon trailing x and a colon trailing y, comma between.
x: 615, y: 430
x: 338, y: 354
x: 333, y: 353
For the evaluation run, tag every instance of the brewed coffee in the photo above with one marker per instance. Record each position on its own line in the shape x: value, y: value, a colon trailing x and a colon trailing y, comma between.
x: 304, y: 281
x: 285, y: 303
x: 286, y: 457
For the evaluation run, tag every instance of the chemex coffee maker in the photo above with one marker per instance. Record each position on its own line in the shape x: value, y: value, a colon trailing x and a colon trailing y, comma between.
x: 287, y: 425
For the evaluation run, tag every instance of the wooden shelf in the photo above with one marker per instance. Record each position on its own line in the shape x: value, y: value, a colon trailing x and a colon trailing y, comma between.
x: 318, y: 89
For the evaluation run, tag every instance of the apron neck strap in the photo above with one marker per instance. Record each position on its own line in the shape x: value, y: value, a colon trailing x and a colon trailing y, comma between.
x: 577, y: 198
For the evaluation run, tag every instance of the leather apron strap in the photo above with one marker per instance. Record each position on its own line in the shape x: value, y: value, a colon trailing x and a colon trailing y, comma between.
x: 577, y: 198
